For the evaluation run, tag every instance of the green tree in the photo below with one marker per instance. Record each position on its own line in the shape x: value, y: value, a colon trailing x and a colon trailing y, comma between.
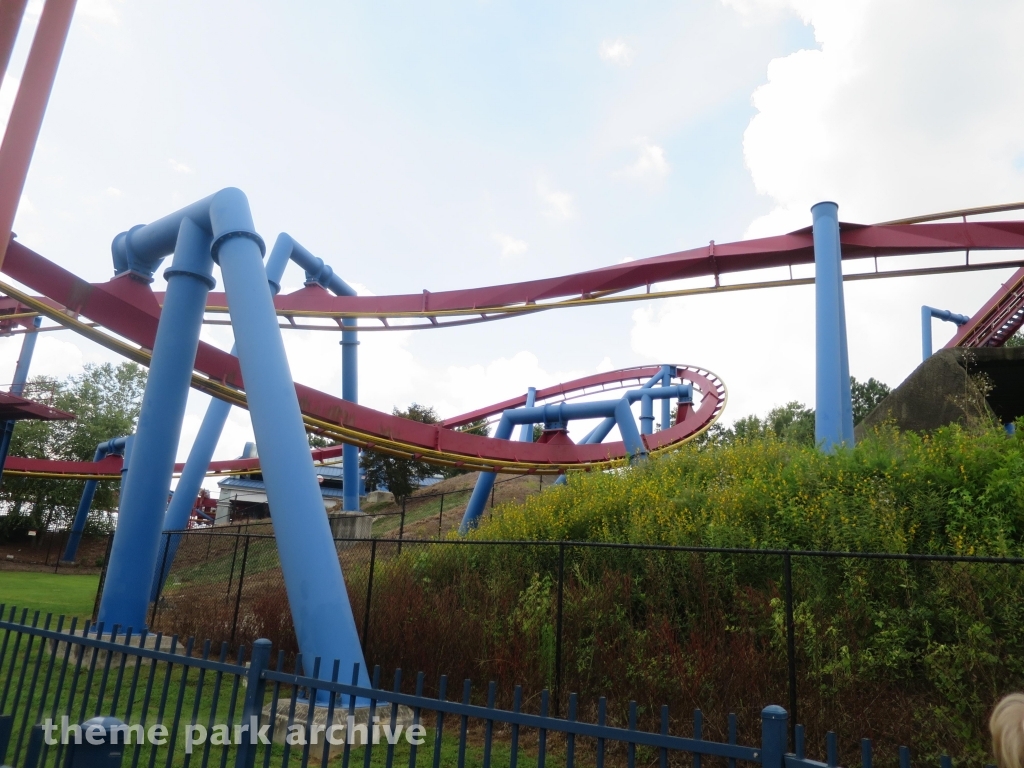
x: 105, y: 400
x: 1017, y: 340
x: 793, y: 422
x: 400, y: 476
x: 866, y: 395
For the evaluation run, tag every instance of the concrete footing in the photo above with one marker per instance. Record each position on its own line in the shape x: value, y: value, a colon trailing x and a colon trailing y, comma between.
x: 86, y: 652
x: 337, y: 737
x: 350, y: 525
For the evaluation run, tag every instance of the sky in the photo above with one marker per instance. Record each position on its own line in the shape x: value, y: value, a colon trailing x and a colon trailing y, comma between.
x: 465, y: 143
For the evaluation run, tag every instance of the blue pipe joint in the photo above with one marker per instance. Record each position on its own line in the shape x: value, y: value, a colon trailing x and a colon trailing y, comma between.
x: 647, y: 415
x: 191, y: 261
x: 127, y: 261
x: 230, y: 218
x: 927, y: 313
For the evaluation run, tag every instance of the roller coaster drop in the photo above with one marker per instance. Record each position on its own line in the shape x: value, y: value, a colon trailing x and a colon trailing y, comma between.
x: 162, y: 331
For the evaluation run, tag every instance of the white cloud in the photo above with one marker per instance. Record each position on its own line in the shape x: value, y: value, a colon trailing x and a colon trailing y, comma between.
x: 650, y: 162
x: 113, y: 192
x: 99, y: 10
x: 510, y: 246
x: 557, y: 204
x: 616, y: 52
x: 179, y: 167
x: 907, y: 107
x: 25, y: 206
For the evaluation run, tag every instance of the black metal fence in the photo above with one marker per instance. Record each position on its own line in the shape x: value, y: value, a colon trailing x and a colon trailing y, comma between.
x: 446, y: 506
x: 46, y: 547
x: 165, y: 701
x: 711, y: 627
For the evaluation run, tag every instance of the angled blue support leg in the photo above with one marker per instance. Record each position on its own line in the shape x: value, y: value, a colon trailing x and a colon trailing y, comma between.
x: 833, y: 418
x: 133, y: 555
x: 109, y: 447
x: 28, y: 346
x: 526, y: 431
x: 199, y: 457
x: 485, y: 481
x: 634, y: 443
x: 323, y: 619
x: 484, y: 484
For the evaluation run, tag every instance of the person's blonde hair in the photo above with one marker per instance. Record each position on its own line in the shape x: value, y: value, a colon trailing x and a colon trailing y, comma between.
x: 1007, y: 727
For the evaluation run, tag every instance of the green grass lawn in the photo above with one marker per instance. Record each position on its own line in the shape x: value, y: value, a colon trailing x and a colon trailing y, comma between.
x: 71, y: 595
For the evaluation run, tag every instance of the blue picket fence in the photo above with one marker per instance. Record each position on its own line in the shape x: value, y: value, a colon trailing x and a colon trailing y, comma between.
x: 55, y: 675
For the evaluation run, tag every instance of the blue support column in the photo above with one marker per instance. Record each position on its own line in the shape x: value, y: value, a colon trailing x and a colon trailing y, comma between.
x: 316, y: 590
x: 666, y: 405
x: 319, y: 273
x: 647, y: 415
x: 635, y: 448
x: 350, y: 392
x: 484, y: 484
x: 926, y: 333
x: 199, y: 457
x: 927, y: 313
x: 28, y: 346
x: 526, y: 431
x: 104, y: 449
x: 179, y: 510
x: 833, y: 418
x: 133, y: 555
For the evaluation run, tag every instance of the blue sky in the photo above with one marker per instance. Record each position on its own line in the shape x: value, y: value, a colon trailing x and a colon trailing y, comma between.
x: 454, y: 144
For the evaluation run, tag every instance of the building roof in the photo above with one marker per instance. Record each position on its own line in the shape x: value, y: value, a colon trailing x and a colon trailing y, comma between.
x: 13, y: 408
x: 236, y: 482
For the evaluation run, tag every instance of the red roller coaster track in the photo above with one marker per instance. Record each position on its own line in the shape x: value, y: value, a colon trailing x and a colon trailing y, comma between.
x: 129, y: 308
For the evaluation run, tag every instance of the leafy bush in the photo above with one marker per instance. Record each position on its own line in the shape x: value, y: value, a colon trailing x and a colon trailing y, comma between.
x: 912, y: 652
x: 948, y: 492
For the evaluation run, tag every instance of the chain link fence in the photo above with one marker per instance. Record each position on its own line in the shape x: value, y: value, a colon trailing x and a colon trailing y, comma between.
x: 908, y: 647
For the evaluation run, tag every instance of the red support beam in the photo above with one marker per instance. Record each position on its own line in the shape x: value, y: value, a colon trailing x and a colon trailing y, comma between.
x: 11, y: 14
x: 29, y: 107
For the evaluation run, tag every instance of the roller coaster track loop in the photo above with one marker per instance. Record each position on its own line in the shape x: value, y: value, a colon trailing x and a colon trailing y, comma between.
x: 339, y: 432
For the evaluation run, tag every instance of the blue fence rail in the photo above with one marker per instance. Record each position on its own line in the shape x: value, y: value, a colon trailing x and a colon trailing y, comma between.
x: 192, y: 703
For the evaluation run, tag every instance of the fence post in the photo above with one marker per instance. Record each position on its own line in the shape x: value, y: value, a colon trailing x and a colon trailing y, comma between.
x: 252, y: 709
x: 773, y: 736
x: 241, y: 579
x: 160, y: 582
x: 787, y: 562
x: 234, y: 556
x: 369, y: 593
x: 492, y: 497
x: 558, y: 628
x: 103, y: 577
x: 440, y: 517
x: 49, y: 538
x: 401, y: 527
